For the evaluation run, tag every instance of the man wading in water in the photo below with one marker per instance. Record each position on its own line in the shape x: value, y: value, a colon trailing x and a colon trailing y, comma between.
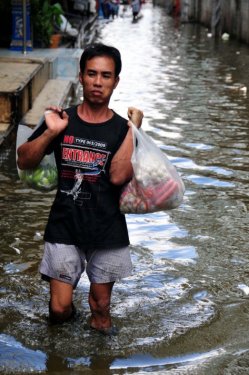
x: 85, y: 229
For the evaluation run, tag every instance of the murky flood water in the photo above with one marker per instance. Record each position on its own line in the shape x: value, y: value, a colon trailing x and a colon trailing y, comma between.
x: 185, y: 309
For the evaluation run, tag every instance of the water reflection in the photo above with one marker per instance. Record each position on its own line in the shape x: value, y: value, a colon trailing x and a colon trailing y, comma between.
x: 185, y: 308
x: 141, y: 360
x: 17, y: 358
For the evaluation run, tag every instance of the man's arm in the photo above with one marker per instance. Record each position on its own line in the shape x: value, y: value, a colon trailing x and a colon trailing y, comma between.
x: 121, y: 169
x: 31, y: 153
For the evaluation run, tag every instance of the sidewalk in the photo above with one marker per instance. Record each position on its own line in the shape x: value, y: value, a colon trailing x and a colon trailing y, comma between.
x: 30, y: 82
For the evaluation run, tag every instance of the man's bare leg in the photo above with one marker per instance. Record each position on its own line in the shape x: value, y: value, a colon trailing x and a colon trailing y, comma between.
x: 99, y: 301
x: 61, y: 307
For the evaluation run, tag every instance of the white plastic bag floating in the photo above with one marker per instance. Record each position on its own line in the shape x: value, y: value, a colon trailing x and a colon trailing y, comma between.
x: 66, y: 26
x: 45, y: 176
x: 156, y: 184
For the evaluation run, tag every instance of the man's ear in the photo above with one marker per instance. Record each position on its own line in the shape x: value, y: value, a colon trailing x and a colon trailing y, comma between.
x: 80, y: 77
x: 116, y: 82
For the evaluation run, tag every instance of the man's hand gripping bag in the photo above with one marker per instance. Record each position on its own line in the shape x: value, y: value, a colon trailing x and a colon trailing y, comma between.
x: 44, y: 177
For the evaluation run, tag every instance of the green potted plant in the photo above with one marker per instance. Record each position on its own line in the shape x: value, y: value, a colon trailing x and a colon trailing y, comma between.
x: 45, y: 18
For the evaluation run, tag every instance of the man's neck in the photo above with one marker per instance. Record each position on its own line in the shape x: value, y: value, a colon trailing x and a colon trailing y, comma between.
x: 94, y: 114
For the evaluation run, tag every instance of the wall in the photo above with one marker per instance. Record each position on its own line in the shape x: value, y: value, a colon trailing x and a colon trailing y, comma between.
x: 230, y: 16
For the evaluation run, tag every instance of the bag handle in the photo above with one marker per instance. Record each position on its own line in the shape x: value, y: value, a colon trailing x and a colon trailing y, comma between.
x: 136, y: 135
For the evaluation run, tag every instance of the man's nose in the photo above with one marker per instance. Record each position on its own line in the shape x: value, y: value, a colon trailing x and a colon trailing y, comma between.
x: 98, y: 80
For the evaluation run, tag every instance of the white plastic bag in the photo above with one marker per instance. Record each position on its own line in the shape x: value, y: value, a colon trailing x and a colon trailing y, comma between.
x: 66, y: 27
x: 156, y: 184
x: 44, y: 177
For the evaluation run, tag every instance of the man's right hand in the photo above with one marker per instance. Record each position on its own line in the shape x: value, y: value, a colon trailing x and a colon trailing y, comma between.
x: 56, y: 120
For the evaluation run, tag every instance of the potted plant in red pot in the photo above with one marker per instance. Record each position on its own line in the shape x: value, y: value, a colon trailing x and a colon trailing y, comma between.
x: 46, y: 19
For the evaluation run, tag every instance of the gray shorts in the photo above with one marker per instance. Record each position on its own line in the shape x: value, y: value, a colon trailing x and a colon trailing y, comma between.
x: 67, y: 263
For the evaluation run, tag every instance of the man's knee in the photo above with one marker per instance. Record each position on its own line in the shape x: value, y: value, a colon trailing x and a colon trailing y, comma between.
x: 99, y: 302
x: 103, y: 303
x: 59, y: 313
x: 59, y: 308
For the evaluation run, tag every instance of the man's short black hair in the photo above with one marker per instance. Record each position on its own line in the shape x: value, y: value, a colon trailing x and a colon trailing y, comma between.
x: 99, y: 49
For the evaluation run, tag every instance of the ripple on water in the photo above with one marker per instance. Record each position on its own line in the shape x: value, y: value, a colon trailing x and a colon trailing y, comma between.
x: 209, y: 182
x: 142, y: 361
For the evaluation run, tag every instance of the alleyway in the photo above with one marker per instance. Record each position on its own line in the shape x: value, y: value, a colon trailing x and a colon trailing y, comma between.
x: 185, y: 309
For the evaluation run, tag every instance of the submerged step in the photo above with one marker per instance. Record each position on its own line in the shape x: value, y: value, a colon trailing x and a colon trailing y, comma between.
x: 55, y: 92
x: 19, y: 87
x: 28, y: 84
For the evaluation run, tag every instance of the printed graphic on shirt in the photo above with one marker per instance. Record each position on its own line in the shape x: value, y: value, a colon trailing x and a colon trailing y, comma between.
x: 83, y: 160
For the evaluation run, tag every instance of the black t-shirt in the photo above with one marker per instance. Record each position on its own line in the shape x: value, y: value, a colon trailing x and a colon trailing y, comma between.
x: 86, y: 211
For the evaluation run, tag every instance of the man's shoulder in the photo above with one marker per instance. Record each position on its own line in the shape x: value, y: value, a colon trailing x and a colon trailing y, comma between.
x: 120, y: 118
x: 71, y: 111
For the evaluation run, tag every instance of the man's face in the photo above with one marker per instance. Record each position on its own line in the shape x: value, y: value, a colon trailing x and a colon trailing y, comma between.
x: 98, y: 80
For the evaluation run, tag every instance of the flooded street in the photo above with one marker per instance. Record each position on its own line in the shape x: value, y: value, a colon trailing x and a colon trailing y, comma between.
x: 185, y: 309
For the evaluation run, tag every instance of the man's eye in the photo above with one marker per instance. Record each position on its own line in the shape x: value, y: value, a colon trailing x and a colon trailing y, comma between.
x: 107, y: 75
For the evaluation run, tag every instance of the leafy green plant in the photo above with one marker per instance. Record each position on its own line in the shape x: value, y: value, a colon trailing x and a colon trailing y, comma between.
x: 45, y: 19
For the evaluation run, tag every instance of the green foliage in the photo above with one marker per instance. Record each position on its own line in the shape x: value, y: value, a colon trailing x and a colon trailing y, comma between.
x: 45, y: 19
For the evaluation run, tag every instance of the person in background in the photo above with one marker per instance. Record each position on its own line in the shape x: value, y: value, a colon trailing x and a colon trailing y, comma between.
x: 136, y: 6
x: 86, y: 230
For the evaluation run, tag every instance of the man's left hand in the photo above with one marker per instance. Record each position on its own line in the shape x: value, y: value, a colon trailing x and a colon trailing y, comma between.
x: 135, y: 116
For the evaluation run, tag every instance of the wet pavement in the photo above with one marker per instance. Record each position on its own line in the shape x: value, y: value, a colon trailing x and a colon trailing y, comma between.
x: 185, y: 309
